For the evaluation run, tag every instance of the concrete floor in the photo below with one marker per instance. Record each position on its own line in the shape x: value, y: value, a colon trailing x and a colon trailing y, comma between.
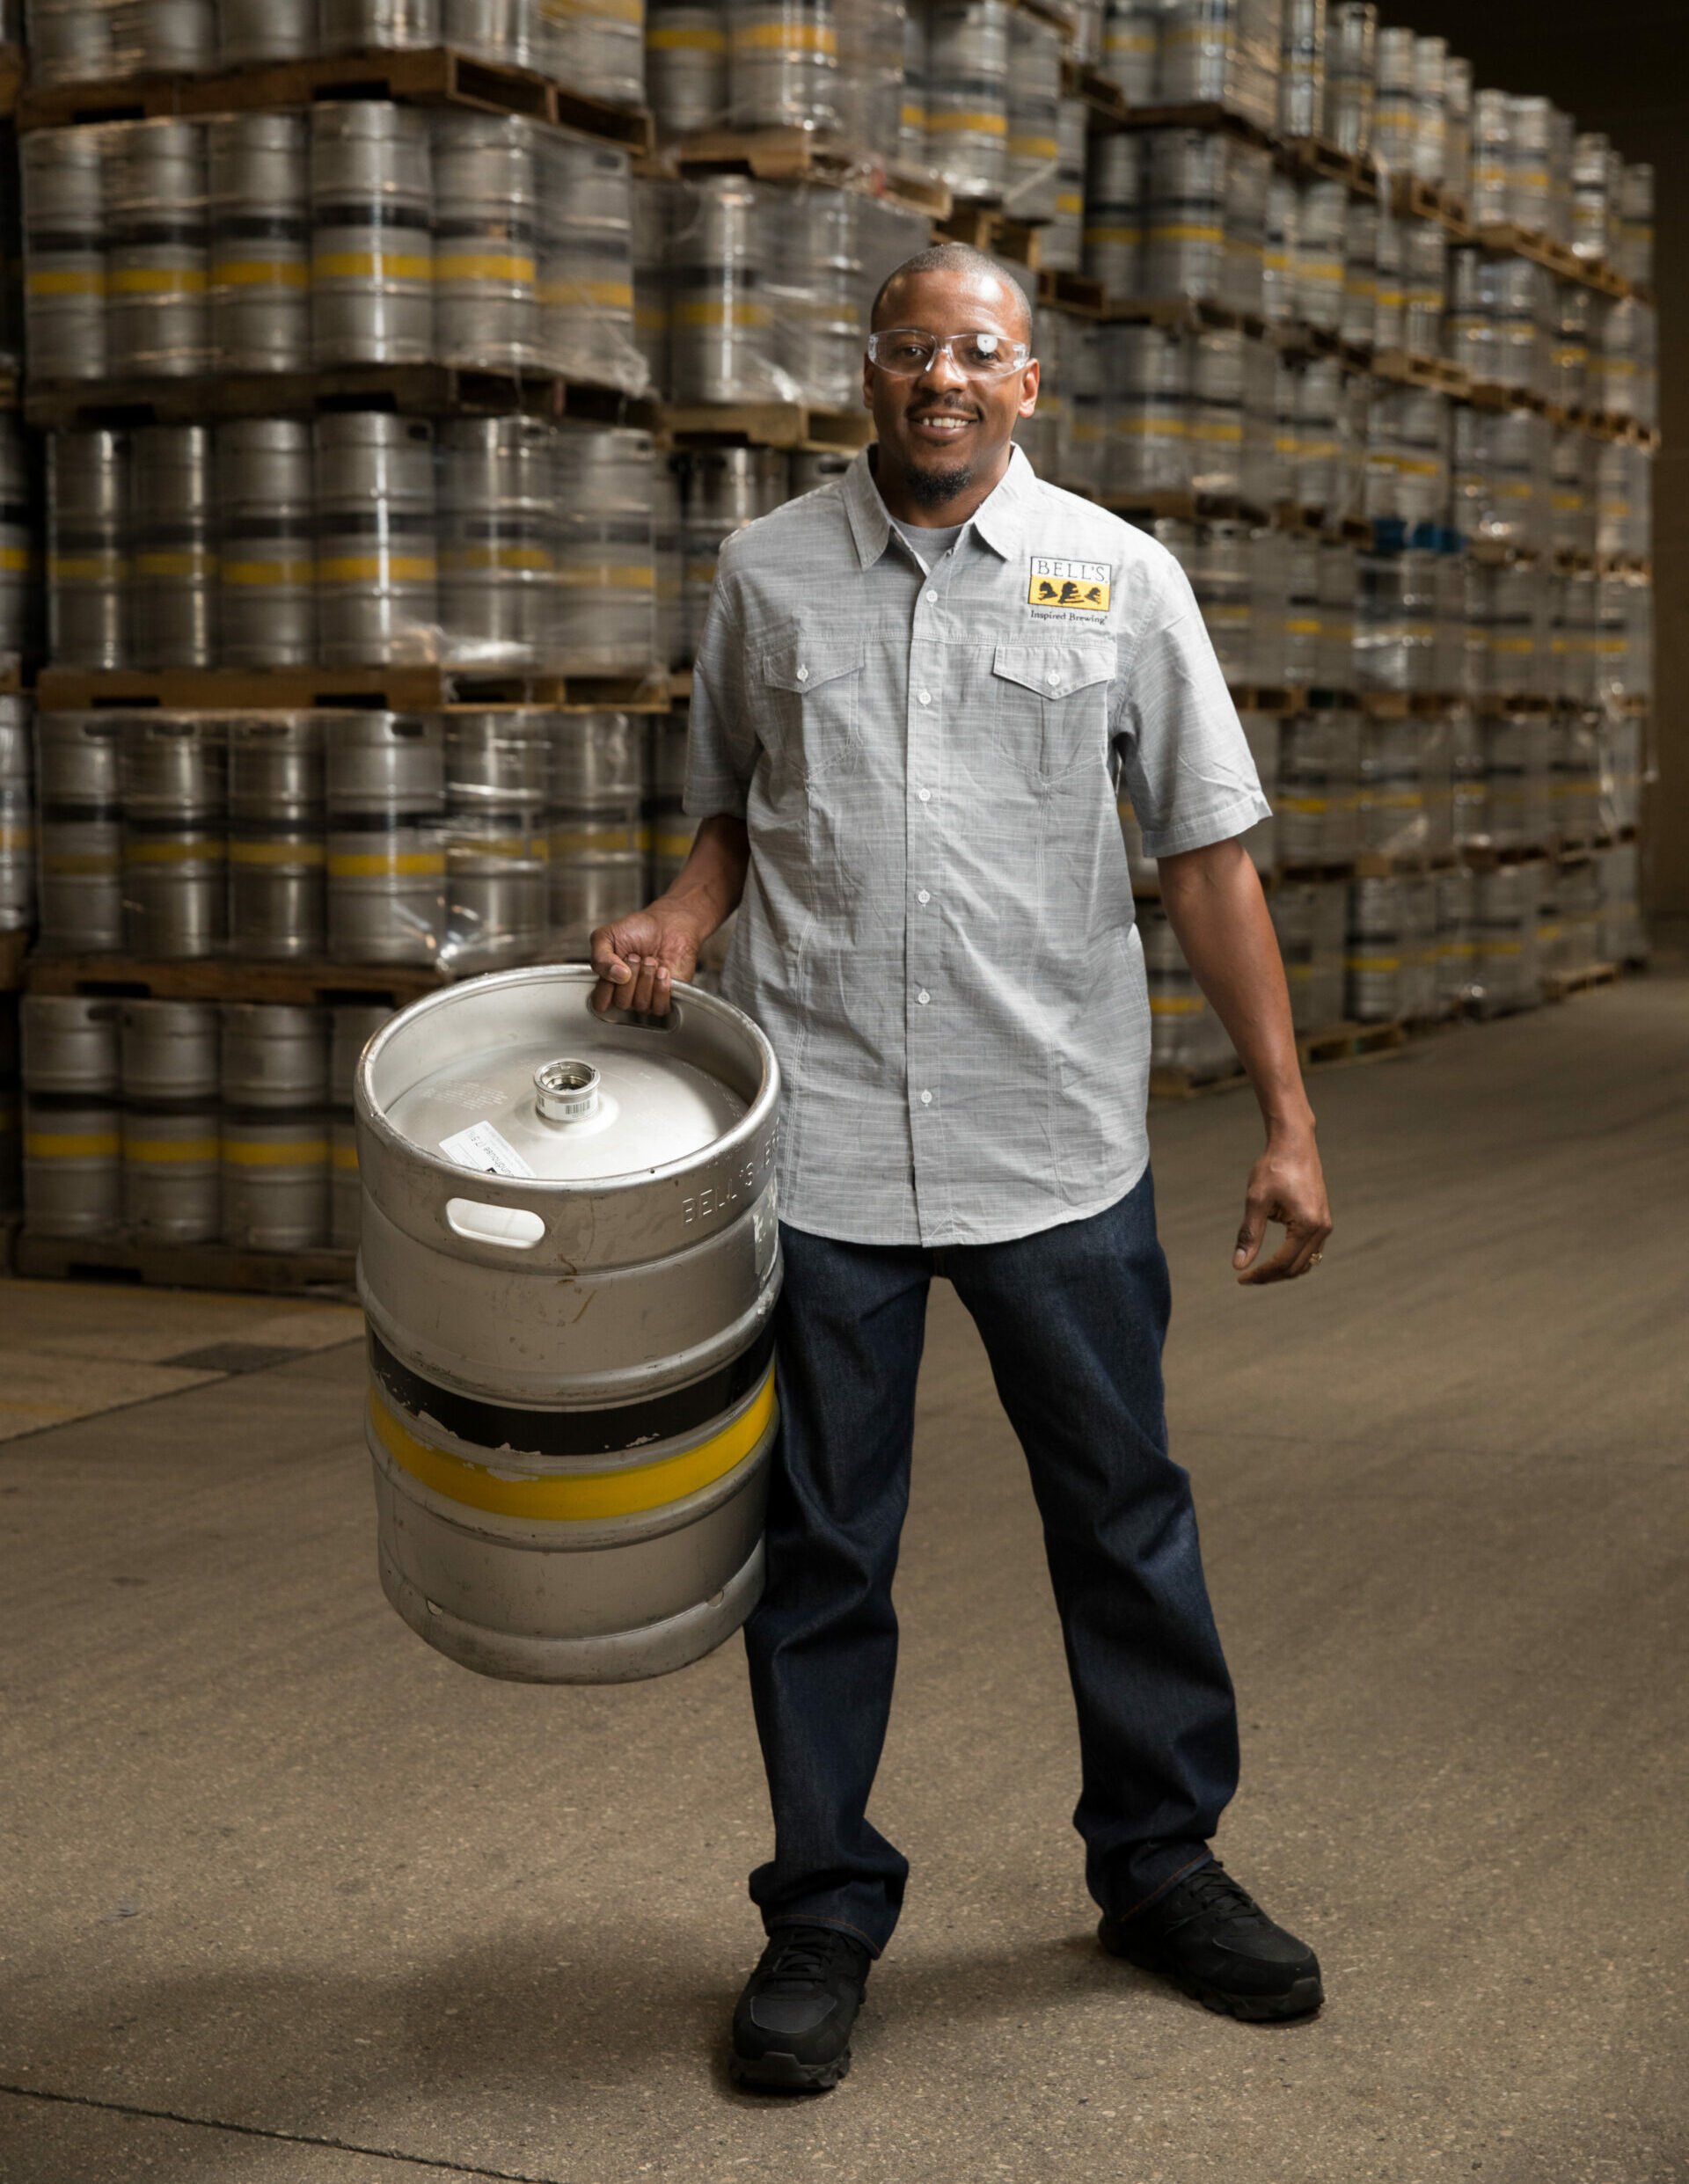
x: 291, y: 1898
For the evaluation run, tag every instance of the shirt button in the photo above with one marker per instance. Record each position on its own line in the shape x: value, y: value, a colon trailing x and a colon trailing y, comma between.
x: 803, y: 675
x: 926, y: 1100
x: 923, y: 997
x: 1051, y: 678
x: 926, y: 697
x: 926, y: 795
x: 922, y: 896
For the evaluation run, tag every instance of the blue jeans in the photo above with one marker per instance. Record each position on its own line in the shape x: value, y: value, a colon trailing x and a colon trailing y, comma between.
x: 1073, y: 1321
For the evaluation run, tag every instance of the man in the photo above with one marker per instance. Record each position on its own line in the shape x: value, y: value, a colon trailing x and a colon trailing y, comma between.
x: 914, y: 696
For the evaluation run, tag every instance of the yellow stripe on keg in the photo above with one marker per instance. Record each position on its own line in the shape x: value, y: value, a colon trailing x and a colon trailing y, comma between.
x: 614, y: 577
x: 484, y: 266
x: 370, y: 266
x: 275, y: 852
x: 15, y: 560
x: 157, y: 280
x: 969, y: 124
x: 360, y: 568
x: 785, y: 38
x: 592, y: 11
x: 1176, y: 1005
x: 1186, y: 232
x: 170, y: 1149
x: 687, y: 316
x: 1032, y: 148
x: 242, y: 1152
x: 208, y: 851
x: 267, y: 571
x: 460, y: 560
x: 700, y: 41
x: 178, y: 562
x: 95, y: 865
x: 371, y: 865
x: 58, y: 1145
x: 262, y: 273
x: 18, y: 838
x: 581, y: 1496
x: 344, y: 1157
x: 604, y: 295
x: 70, y: 568
x: 66, y: 281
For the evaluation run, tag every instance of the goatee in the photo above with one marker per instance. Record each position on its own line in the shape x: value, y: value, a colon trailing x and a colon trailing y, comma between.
x: 932, y: 488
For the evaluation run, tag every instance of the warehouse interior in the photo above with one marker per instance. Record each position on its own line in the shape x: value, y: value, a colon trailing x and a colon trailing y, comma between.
x: 379, y: 382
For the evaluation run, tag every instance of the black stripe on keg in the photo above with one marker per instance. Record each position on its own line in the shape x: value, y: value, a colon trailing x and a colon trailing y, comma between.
x: 610, y: 1431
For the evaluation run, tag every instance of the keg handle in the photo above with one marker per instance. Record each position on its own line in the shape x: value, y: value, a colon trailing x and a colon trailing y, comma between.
x: 643, y: 1019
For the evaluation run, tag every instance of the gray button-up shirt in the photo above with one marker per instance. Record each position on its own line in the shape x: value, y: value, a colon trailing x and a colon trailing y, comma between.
x: 937, y: 928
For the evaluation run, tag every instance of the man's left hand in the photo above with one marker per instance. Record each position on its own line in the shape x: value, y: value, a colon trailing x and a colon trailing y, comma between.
x: 1286, y: 1184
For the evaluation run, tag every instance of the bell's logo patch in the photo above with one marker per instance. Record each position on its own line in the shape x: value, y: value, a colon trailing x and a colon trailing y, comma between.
x: 1081, y: 584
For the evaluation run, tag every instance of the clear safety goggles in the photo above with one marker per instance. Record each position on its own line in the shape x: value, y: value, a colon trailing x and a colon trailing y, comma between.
x: 907, y: 352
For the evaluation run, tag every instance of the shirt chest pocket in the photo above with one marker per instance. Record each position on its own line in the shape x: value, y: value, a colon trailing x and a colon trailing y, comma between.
x: 811, y: 689
x: 1050, y: 707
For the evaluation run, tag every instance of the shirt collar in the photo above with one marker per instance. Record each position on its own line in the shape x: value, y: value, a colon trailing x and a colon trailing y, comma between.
x: 998, y: 520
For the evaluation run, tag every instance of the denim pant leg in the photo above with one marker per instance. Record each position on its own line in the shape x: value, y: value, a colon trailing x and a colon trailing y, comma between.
x: 822, y: 1641
x: 1073, y: 1321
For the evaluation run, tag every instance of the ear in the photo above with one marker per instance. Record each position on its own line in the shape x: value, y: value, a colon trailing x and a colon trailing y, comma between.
x: 1030, y: 388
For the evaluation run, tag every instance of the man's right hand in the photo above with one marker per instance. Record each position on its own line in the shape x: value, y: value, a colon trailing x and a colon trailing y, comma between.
x: 638, y: 959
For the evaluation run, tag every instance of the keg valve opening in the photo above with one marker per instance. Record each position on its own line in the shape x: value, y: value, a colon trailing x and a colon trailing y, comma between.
x: 565, y: 1092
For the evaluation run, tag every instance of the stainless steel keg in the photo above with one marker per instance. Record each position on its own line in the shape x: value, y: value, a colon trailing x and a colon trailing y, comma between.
x: 1351, y: 74
x: 1062, y: 247
x: 1114, y: 214
x: 385, y: 791
x: 354, y: 25
x: 668, y: 553
x: 64, y: 251
x: 1302, y: 68
x: 968, y: 95
x: 175, y: 862
x: 911, y: 115
x: 170, y: 1180
x: 721, y: 318
x: 79, y: 787
x: 266, y: 30
x: 597, y: 870
x: 606, y: 612
x: 686, y: 66
x: 782, y: 63
x: 274, y: 1055
x: 1029, y: 185
x: 354, y: 1025
x: 73, y: 1167
x: 173, y: 548
x: 87, y: 566
x: 1150, y: 448
x: 71, y: 42
x: 376, y: 556
x: 345, y: 1192
x: 671, y: 831
x: 486, y: 240
x: 70, y: 1045
x: 1128, y: 56
x: 582, y: 1506
x: 726, y: 489
x: 596, y: 46
x: 277, y: 907
x: 819, y: 294
x: 1321, y: 244
x: 1184, y: 1031
x: 157, y: 317
x: 506, y: 31
x: 499, y: 574
x: 1394, y: 116
x: 275, y: 1182
x: 267, y: 597
x: 166, y: 37
x: 652, y: 200
x: 497, y: 767
x: 261, y: 241
x: 170, y: 1051
x: 586, y: 263
x: 371, y: 249
x: 17, y: 846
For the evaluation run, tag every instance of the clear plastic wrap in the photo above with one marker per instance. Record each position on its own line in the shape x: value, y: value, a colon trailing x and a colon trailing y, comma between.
x: 1318, y: 805
x: 1351, y: 74
x: 1391, y: 960
x: 1310, y: 919
x: 1302, y: 68
x: 1030, y: 181
x: 391, y: 237
x: 1221, y: 52
x: 1205, y: 220
x: 1501, y: 477
x: 503, y: 544
x: 1395, y: 120
x: 1455, y: 983
x: 1185, y: 1033
x: 1407, y: 785
x: 1409, y: 431
x: 1457, y: 126
x: 1128, y: 41
x: 1062, y: 245
x: 97, y: 41
x: 967, y: 95
x: 17, y: 818
x: 1115, y: 214
x: 1429, y: 158
x: 1395, y: 621
x: 1318, y: 272
x: 1507, y: 967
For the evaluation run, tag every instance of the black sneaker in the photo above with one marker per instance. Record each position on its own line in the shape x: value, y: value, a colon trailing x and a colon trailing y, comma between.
x: 1211, y: 1938
x: 791, y: 2029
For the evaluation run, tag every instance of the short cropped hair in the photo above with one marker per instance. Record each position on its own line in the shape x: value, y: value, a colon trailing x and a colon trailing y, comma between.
x: 955, y: 258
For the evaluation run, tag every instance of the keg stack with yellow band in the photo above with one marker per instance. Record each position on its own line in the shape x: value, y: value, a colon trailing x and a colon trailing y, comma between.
x: 569, y: 1263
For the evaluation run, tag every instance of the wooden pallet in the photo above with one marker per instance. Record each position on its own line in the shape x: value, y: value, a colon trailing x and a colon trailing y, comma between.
x: 216, y: 978
x: 1329, y: 1048
x: 1209, y: 114
x: 1404, y: 705
x: 1403, y: 864
x: 803, y: 156
x: 408, y: 389
x: 1181, y: 507
x: 1405, y: 368
x: 1562, y: 985
x: 393, y: 690
x: 1074, y: 292
x: 1186, y: 313
x: 182, y: 1265
x: 12, y: 78
x: 763, y: 424
x: 438, y: 76
x: 1412, y: 198
x: 1316, y: 156
x: 990, y: 228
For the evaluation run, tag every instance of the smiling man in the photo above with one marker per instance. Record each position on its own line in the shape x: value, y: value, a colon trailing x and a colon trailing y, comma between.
x: 916, y: 692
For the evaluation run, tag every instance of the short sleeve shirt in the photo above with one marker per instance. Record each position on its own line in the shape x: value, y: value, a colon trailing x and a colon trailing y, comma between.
x: 937, y: 931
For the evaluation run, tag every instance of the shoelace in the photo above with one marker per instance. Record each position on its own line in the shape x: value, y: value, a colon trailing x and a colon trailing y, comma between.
x: 806, y: 1958
x: 1213, y: 1889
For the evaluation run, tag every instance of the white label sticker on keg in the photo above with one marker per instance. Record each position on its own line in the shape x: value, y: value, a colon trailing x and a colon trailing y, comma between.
x: 481, y: 1146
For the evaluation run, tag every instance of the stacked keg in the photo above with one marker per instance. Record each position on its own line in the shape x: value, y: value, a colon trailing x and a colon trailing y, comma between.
x: 670, y: 829
x: 277, y: 879
x: 1030, y: 175
x: 596, y: 800
x: 782, y: 65
x: 64, y: 240
x: 486, y: 225
x: 1114, y: 214
x: 1310, y: 917
x: 173, y: 779
x: 87, y: 568
x: 353, y: 1025
x: 73, y: 1124
x: 686, y: 65
x: 377, y: 550
x: 720, y: 315
x: 586, y: 260
x: 725, y: 488
x: 606, y: 622
x: 173, y: 566
x: 80, y: 787
x: 171, y: 1187
x: 157, y: 320
x: 1185, y: 1033
x: 497, y: 773
x: 372, y: 242
x: 267, y: 605
x: 967, y: 95
x: 385, y: 799
x: 1351, y: 73
x: 17, y: 818
x: 498, y: 533
x: 273, y: 1140
x: 261, y: 241
x: 1302, y: 68
x: 1062, y: 245
x: 1319, y: 787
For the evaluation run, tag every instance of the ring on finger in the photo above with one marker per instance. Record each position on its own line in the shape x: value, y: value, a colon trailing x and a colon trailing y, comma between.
x: 1315, y: 1258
